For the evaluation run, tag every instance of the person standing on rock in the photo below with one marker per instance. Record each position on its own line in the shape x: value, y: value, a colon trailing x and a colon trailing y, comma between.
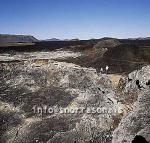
x: 107, y: 67
x: 101, y: 70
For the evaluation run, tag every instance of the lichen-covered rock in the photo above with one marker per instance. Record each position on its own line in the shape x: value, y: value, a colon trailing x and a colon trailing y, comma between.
x: 137, y: 80
x: 137, y: 122
x: 58, y: 85
x: 132, y: 85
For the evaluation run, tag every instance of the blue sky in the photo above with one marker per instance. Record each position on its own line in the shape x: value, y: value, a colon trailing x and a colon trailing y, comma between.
x: 82, y: 19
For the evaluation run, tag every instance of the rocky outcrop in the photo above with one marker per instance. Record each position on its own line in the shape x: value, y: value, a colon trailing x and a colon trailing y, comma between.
x: 58, y: 85
x: 136, y: 81
x: 132, y: 85
x: 137, y: 121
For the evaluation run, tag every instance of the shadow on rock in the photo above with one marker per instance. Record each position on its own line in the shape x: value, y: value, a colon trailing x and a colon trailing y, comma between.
x: 139, y: 139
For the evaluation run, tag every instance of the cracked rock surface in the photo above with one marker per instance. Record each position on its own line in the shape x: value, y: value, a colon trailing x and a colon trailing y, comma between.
x: 29, y: 87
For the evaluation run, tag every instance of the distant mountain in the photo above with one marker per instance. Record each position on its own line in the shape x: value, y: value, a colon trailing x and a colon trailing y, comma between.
x: 140, y: 38
x: 53, y: 39
x: 6, y: 38
x: 76, y: 39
